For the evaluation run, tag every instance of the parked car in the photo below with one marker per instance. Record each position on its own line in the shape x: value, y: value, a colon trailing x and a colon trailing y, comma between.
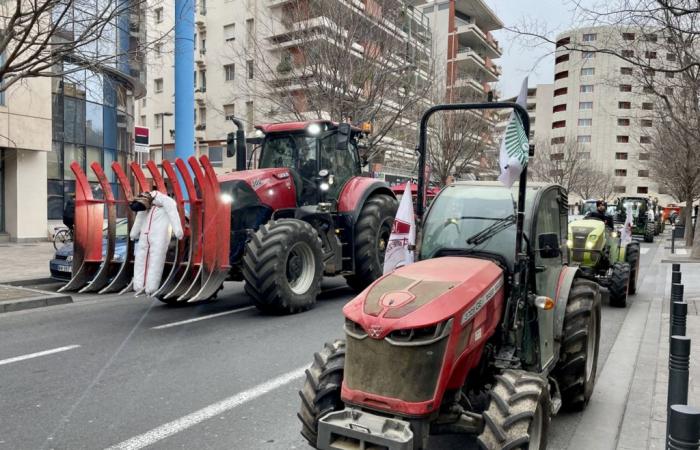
x: 62, y: 263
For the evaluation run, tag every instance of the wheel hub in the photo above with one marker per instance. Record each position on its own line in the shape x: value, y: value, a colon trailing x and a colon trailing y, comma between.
x: 301, y: 268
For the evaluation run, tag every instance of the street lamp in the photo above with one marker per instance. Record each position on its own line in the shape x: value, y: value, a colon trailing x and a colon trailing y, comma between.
x: 162, y: 132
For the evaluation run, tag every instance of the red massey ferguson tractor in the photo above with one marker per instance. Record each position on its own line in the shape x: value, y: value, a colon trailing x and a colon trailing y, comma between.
x: 488, y: 334
x: 303, y: 213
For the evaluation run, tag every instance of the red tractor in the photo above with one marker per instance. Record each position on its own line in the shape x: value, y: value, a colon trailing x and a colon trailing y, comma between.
x: 489, y: 333
x: 305, y: 212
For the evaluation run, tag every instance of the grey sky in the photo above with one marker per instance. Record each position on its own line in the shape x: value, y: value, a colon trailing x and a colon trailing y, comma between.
x: 520, y: 55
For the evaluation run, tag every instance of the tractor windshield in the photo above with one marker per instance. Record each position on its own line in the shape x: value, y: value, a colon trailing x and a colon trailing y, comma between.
x: 471, y: 218
x: 634, y: 205
x: 294, y: 151
x: 588, y: 207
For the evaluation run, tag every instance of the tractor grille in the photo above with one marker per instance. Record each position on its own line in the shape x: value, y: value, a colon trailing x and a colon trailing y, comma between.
x: 579, y: 252
x: 405, y: 368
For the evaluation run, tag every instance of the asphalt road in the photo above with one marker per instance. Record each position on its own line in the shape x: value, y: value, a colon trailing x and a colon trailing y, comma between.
x: 127, y: 372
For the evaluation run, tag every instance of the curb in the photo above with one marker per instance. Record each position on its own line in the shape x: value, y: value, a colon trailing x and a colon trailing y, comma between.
x: 33, y: 299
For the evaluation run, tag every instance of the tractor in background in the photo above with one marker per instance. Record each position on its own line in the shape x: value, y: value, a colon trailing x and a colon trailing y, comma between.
x: 303, y: 213
x: 489, y: 333
x: 643, y: 217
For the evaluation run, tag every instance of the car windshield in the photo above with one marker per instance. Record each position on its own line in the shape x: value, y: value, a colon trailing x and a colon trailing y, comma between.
x: 283, y: 150
x: 462, y: 212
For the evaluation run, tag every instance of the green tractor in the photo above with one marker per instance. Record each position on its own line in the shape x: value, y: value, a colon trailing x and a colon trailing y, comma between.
x: 643, y: 218
x: 598, y: 253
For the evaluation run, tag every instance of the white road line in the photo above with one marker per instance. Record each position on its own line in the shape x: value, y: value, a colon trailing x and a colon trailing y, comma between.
x: 197, y: 319
x: 682, y: 251
x: 37, y: 354
x: 185, y: 422
x: 644, y: 250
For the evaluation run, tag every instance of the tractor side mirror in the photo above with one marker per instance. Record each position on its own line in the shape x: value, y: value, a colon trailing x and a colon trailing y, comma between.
x: 548, y: 244
x: 231, y: 145
x: 343, y: 138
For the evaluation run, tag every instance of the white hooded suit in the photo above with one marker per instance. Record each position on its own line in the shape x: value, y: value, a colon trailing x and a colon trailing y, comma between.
x: 152, y: 228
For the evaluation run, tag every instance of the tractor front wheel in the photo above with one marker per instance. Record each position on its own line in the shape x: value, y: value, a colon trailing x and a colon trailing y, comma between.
x: 578, y: 359
x: 518, y: 414
x: 321, y: 392
x: 372, y: 232
x: 282, y: 267
x: 619, y: 284
x: 632, y: 258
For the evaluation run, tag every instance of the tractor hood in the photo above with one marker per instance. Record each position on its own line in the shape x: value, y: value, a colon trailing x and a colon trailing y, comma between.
x: 587, y: 234
x: 274, y: 187
x: 426, y: 293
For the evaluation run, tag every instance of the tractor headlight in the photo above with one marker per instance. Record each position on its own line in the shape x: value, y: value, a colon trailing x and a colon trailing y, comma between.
x: 592, y: 237
x: 226, y: 198
x: 614, y: 234
x: 570, y: 243
x: 324, y: 186
x: 589, y: 245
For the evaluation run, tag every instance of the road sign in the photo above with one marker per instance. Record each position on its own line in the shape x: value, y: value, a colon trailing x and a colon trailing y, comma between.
x: 141, y: 138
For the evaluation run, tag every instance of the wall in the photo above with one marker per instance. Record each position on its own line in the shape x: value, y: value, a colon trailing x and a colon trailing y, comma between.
x: 25, y: 195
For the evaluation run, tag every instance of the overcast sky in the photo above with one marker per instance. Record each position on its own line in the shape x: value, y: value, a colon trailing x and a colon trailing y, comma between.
x: 520, y: 56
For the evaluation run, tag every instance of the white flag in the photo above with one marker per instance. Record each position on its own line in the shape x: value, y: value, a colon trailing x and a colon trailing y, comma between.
x: 515, y: 146
x: 626, y: 235
x: 399, y: 249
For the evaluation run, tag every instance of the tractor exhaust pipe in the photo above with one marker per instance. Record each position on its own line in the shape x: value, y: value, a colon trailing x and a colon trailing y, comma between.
x: 235, y: 145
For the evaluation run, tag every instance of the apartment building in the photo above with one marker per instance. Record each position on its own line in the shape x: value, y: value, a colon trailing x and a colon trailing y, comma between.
x: 252, y: 63
x: 539, y: 108
x: 600, y: 104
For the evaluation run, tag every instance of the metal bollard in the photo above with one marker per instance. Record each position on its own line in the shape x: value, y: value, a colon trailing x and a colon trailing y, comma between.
x: 676, y: 267
x: 678, y: 362
x: 676, y: 292
x: 683, y: 428
x: 675, y: 277
x: 673, y: 238
x: 679, y: 311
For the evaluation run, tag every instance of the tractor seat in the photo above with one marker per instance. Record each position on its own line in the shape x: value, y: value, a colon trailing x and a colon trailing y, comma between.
x: 298, y: 185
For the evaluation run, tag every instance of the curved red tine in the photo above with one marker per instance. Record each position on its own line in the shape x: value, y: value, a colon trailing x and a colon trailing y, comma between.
x: 87, y: 234
x: 107, y: 267
x: 140, y: 177
x: 157, y: 177
x: 123, y: 277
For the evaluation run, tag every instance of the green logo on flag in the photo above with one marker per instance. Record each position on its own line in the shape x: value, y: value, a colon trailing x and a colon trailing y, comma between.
x: 517, y: 145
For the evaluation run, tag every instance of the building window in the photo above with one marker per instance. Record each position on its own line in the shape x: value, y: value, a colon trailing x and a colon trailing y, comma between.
x: 587, y: 71
x: 648, y: 90
x: 230, y: 32
x: 561, y: 75
x: 158, y: 85
x: 670, y: 74
x: 583, y: 155
x: 558, y: 140
x: 559, y: 124
x: 649, y: 72
x: 158, y: 49
x: 645, y: 139
x: 620, y: 172
x: 643, y: 173
x: 620, y: 189
x: 556, y: 157
x: 623, y: 139
x: 250, y: 69
x: 650, y: 37
x: 586, y: 88
x: 230, y: 111
x: 668, y: 90
x: 585, y: 122
x: 624, y: 105
x: 560, y: 91
x: 585, y: 105
x: 583, y: 139
x: 642, y: 190
x: 623, y: 122
x: 647, y: 106
x: 625, y: 88
x: 650, y: 55
x: 587, y: 55
x: 429, y: 9
x: 628, y: 36
x: 644, y: 156
x: 230, y: 72
x: 589, y: 37
x: 561, y: 58
x: 158, y: 120
x: 625, y: 71
x: 670, y: 57
x: 250, y: 31
x: 559, y: 108
x: 563, y: 41
x: 216, y: 156
x: 627, y: 53
x: 647, y: 122
x: 622, y: 156
x: 159, y: 14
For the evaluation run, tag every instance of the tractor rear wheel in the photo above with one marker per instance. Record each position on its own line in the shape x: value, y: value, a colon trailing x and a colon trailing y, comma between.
x: 282, y: 267
x: 649, y: 232
x: 372, y: 232
x: 632, y: 258
x: 321, y: 392
x: 619, y: 284
x: 578, y: 359
x: 518, y: 414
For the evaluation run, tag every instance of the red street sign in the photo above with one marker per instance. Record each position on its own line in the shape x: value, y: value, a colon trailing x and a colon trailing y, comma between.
x: 141, y: 135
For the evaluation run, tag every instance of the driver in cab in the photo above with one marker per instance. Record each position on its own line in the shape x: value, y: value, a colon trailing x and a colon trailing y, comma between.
x: 600, y: 214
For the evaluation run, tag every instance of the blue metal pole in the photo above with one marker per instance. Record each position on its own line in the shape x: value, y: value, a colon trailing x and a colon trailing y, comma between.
x: 184, y: 79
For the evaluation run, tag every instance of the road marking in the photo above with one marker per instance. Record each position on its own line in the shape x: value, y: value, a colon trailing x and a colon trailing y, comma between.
x: 197, y: 319
x: 185, y: 422
x: 644, y: 250
x: 37, y: 354
x: 682, y: 251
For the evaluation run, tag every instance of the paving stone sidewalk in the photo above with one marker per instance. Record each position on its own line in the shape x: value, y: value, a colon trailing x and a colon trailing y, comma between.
x: 25, y: 261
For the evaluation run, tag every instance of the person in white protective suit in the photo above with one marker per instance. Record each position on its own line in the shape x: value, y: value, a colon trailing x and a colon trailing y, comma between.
x: 156, y: 217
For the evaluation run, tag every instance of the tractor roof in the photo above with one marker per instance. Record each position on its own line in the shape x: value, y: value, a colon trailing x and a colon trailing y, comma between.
x: 295, y: 126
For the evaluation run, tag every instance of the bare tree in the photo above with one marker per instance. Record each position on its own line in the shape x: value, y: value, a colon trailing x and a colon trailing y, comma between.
x: 558, y: 163
x: 594, y: 181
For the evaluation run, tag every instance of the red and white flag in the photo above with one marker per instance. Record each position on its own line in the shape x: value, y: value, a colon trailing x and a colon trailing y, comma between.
x: 399, y: 249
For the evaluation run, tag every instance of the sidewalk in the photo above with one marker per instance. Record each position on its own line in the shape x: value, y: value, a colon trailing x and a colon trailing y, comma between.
x: 25, y: 261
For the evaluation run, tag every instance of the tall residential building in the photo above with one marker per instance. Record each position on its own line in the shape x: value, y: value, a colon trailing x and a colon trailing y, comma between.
x: 539, y: 108
x: 85, y: 115
x: 246, y: 50
x: 599, y: 104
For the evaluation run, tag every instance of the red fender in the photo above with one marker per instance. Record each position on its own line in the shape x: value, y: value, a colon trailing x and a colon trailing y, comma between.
x: 356, y: 191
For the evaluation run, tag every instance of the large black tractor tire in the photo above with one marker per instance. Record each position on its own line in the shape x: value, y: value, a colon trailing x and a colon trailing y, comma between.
x: 619, y: 284
x: 632, y: 258
x: 649, y: 232
x: 282, y: 267
x: 578, y: 358
x: 372, y: 232
x: 321, y: 392
x: 518, y: 414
